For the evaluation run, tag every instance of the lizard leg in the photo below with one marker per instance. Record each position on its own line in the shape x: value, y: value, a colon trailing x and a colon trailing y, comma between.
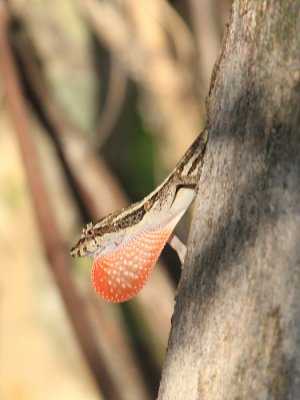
x: 178, y: 246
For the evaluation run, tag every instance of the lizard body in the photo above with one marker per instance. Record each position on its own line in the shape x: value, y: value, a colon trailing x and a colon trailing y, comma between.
x: 127, y: 243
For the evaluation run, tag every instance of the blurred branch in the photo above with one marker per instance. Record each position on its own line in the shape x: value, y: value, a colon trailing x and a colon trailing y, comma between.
x: 92, y: 167
x: 181, y: 36
x: 113, y: 103
x: 98, y: 188
x: 207, y: 38
x: 2, y: 94
x: 64, y: 130
x: 54, y: 246
x: 93, y: 180
x: 143, y: 35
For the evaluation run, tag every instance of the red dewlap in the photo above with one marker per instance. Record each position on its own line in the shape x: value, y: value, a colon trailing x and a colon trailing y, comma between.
x: 121, y: 274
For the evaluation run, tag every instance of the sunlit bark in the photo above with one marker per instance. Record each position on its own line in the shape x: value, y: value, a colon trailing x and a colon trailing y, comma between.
x: 236, y: 327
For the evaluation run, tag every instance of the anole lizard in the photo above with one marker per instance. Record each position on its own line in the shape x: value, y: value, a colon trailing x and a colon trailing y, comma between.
x: 127, y: 243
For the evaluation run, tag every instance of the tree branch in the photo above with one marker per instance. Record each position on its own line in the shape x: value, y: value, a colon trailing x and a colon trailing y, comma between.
x: 236, y: 327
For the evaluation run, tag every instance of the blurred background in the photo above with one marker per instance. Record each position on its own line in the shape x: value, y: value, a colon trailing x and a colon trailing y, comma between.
x: 98, y: 101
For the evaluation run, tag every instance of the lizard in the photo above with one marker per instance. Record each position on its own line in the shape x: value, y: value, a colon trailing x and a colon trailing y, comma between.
x: 126, y: 243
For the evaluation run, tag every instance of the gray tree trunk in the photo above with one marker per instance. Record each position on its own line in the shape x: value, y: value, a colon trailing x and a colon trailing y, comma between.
x: 236, y: 327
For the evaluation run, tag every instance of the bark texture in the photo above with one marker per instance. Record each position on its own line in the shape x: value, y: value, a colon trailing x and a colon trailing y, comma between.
x: 236, y: 327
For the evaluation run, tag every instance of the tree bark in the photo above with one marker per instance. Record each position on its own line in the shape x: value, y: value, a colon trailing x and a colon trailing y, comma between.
x: 236, y: 327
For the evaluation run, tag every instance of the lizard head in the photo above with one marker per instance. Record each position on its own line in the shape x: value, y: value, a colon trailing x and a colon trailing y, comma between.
x: 96, y: 240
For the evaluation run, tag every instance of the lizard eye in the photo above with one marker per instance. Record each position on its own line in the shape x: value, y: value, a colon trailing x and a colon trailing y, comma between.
x: 88, y: 230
